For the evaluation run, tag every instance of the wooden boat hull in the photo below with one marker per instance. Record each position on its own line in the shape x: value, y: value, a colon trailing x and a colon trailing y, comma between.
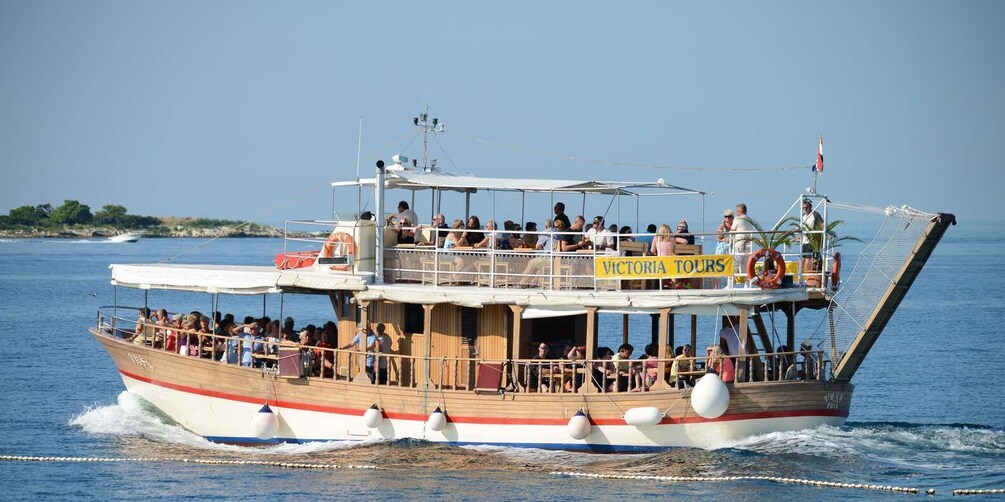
x: 217, y: 401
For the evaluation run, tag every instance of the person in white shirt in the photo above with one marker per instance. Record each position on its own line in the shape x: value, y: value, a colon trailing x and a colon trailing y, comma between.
x: 404, y: 213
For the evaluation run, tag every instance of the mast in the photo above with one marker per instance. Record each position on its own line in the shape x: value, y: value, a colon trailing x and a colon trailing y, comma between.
x: 428, y: 125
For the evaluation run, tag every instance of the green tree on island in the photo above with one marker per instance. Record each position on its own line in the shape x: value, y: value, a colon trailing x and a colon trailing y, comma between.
x: 71, y: 213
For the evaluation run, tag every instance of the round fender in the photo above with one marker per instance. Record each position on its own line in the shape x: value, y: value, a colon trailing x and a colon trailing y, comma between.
x: 646, y: 415
x: 579, y: 426
x: 710, y: 397
x: 372, y: 417
x: 265, y: 423
x: 437, y: 420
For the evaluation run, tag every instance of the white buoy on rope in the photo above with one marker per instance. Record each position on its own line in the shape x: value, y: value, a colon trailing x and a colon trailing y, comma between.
x: 579, y: 425
x: 265, y: 423
x: 372, y: 416
x: 437, y: 420
x: 645, y: 415
x: 710, y: 397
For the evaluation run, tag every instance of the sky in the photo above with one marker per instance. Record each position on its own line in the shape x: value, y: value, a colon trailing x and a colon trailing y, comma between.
x: 249, y: 109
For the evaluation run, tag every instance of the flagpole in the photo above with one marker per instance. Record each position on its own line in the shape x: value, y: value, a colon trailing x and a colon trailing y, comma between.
x: 819, y: 165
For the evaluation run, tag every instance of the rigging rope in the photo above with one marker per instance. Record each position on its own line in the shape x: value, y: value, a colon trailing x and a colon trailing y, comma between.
x: 578, y: 158
x: 282, y: 203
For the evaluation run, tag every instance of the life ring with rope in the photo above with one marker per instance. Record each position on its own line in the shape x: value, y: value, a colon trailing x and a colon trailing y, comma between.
x: 341, y: 242
x: 836, y: 272
x: 765, y: 279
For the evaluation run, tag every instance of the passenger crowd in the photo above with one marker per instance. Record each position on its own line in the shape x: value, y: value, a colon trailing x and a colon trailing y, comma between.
x: 558, y: 233
x: 256, y: 342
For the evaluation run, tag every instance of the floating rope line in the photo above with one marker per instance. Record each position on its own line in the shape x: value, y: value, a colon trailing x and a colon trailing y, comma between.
x: 683, y: 479
x: 622, y: 164
x: 286, y: 465
x: 995, y: 491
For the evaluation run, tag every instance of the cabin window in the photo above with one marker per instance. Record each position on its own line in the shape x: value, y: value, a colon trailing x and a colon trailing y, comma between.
x: 469, y: 325
x: 415, y: 318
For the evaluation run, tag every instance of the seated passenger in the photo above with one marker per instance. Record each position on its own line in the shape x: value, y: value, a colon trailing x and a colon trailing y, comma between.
x: 651, y: 367
x: 538, y: 374
x: 683, y: 235
x: 575, y: 355
x: 623, y: 368
x: 455, y: 237
x: 682, y: 362
x: 144, y: 328
x: 473, y: 234
x: 719, y: 364
x: 663, y: 242
x: 810, y: 363
x: 648, y: 237
x: 529, y: 239
x: 603, y: 373
x: 406, y: 234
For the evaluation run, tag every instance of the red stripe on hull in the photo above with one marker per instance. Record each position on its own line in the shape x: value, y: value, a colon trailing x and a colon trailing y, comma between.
x: 480, y: 420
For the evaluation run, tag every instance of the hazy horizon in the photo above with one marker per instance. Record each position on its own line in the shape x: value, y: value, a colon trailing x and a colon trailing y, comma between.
x: 248, y: 110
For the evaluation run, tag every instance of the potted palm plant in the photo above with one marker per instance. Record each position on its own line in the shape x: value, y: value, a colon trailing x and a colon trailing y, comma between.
x: 813, y: 240
x: 775, y: 238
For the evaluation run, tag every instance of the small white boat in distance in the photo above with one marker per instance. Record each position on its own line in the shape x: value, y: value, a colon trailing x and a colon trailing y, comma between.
x: 130, y: 237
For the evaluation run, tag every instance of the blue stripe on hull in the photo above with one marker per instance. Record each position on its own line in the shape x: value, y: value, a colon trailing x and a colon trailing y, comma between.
x: 594, y: 448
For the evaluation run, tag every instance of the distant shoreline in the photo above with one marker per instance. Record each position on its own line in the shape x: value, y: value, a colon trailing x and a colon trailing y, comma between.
x: 92, y: 232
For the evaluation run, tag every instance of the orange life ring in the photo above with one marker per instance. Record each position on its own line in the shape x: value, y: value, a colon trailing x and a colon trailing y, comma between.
x: 341, y: 242
x: 765, y: 280
x: 836, y: 272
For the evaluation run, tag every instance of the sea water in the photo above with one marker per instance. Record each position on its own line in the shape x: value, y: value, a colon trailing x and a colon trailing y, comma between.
x: 928, y: 410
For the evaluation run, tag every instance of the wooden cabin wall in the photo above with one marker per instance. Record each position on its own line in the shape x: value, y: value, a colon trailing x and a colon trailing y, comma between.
x: 493, y: 331
x: 445, y: 341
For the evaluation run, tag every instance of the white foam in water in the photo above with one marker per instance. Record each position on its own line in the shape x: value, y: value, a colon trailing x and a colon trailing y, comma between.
x: 133, y: 416
x: 928, y: 446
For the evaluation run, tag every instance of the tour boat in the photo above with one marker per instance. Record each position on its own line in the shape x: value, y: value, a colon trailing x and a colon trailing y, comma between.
x: 129, y: 237
x: 465, y: 323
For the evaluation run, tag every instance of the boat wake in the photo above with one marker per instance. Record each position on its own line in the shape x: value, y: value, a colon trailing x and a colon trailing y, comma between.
x: 133, y: 417
x: 944, y: 453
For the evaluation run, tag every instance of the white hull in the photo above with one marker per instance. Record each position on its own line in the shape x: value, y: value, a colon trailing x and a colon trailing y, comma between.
x: 125, y: 238
x: 230, y: 421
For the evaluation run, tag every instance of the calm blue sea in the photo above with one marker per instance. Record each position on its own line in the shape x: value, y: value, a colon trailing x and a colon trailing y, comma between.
x: 928, y: 411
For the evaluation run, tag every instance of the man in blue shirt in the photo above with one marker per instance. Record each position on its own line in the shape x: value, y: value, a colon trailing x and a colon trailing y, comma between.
x: 371, y: 343
x: 648, y: 239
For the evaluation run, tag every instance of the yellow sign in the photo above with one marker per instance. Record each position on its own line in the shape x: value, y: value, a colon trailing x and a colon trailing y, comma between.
x: 663, y: 267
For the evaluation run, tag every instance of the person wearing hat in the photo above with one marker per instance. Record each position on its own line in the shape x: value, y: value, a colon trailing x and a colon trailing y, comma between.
x: 722, y: 233
x: 811, y: 223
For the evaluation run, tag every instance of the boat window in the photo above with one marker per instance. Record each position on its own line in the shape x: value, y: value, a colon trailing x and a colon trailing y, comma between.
x: 415, y: 318
x: 469, y: 325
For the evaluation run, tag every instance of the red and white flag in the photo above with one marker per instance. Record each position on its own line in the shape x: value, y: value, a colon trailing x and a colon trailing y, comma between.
x: 819, y: 166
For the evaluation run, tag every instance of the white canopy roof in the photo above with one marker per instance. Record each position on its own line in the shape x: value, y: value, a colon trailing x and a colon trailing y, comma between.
x: 229, y: 279
x: 417, y: 180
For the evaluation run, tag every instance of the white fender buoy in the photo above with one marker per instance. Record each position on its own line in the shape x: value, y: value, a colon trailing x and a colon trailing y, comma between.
x: 265, y: 423
x: 646, y: 415
x: 710, y: 397
x: 437, y: 420
x: 579, y: 425
x: 372, y: 416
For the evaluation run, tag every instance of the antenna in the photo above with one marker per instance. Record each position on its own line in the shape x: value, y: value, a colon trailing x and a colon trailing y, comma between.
x: 428, y: 125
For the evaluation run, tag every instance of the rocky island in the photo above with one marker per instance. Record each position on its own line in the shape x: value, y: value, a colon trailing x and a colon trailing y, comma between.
x: 75, y: 220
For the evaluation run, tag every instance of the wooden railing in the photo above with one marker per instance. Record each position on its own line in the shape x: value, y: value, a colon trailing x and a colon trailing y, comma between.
x: 458, y: 373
